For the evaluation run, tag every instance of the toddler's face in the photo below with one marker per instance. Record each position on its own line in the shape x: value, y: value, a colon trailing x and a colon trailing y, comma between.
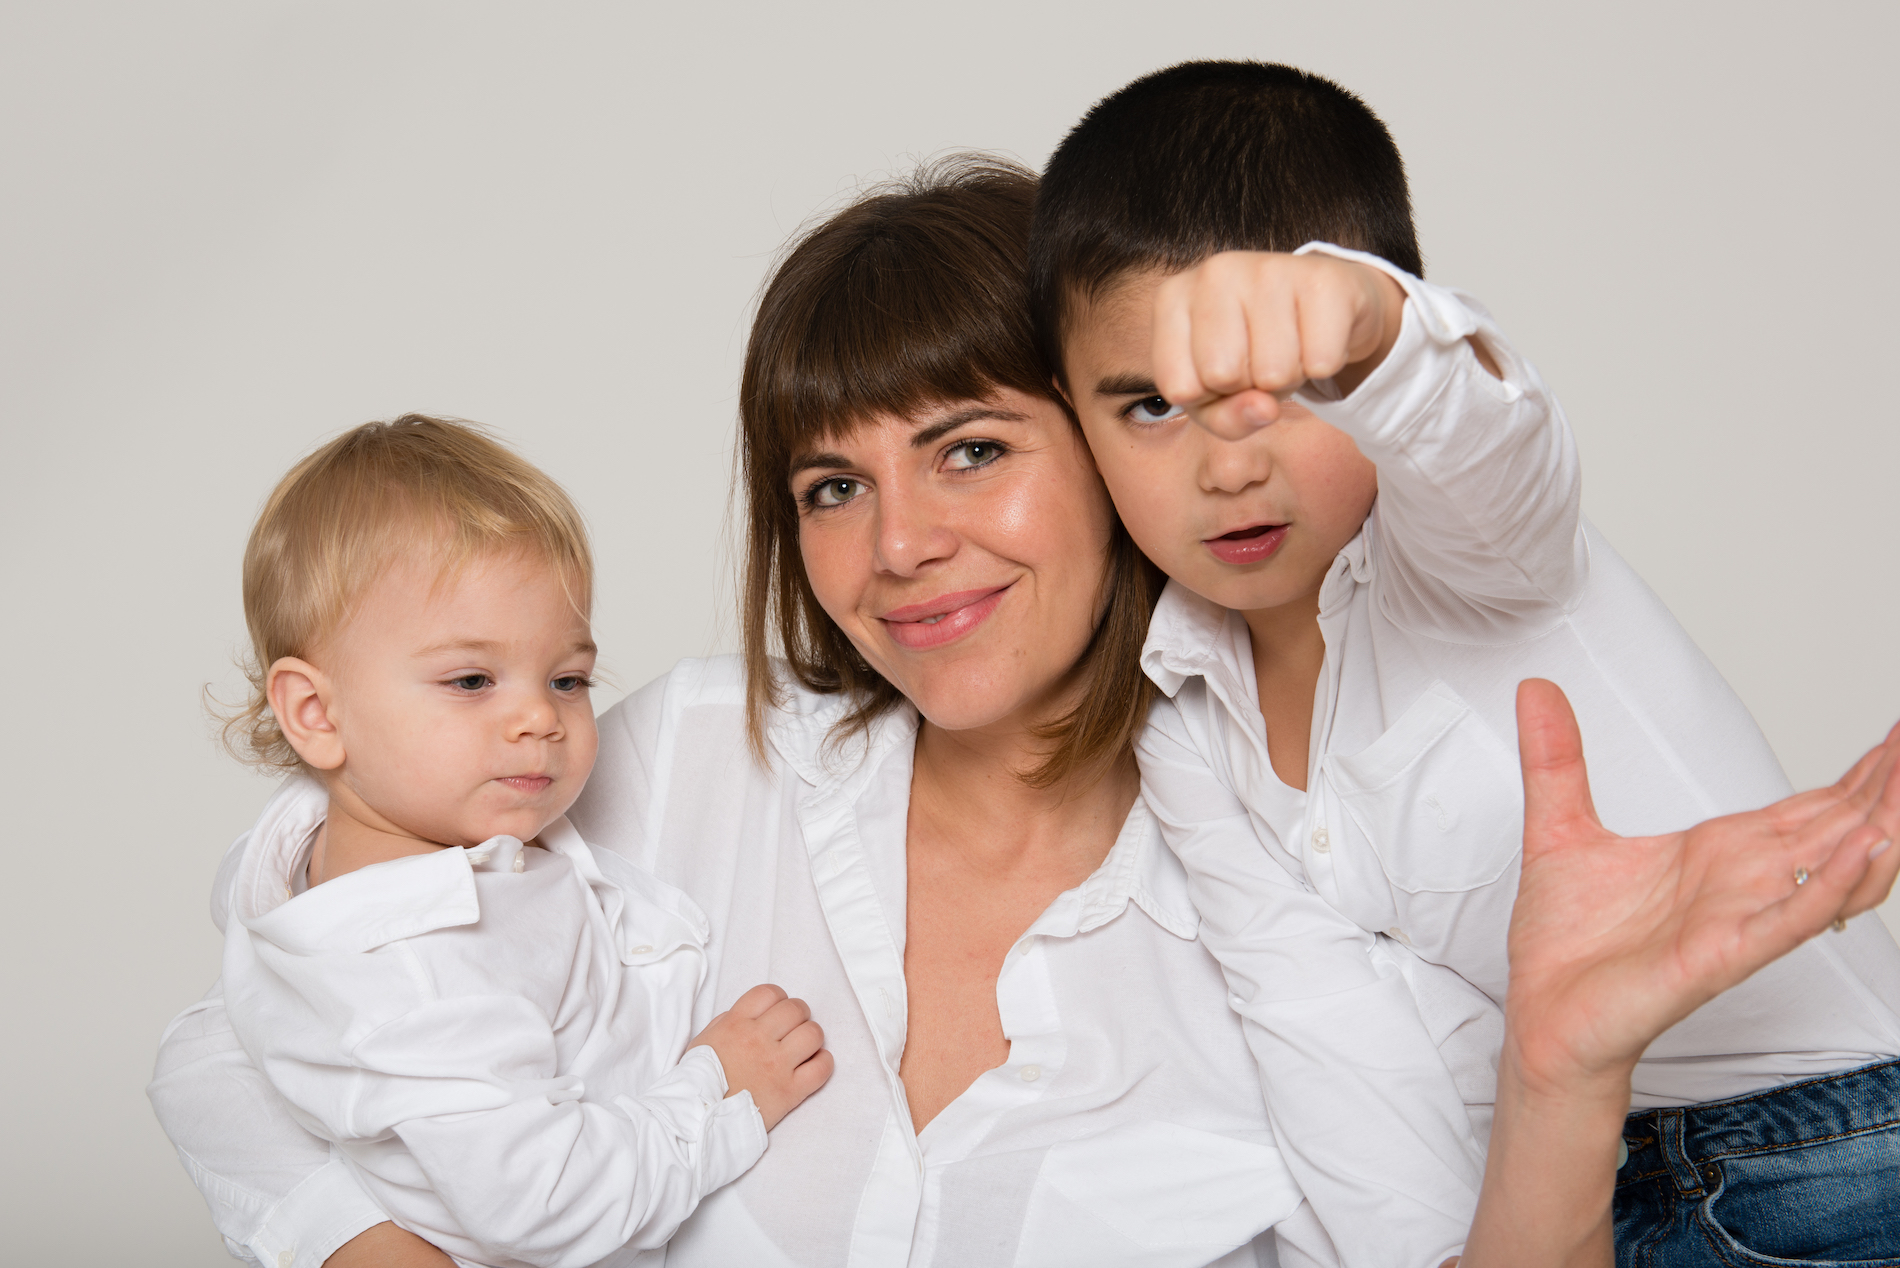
x: 460, y: 706
x: 1249, y: 524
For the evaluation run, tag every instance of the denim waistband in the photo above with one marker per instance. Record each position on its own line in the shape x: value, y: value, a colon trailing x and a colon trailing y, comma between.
x: 1827, y: 1108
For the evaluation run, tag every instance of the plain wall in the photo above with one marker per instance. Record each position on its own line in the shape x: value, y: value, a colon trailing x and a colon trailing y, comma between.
x: 232, y: 229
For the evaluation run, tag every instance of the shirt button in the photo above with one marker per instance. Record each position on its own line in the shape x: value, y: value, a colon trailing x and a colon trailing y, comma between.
x: 1398, y: 935
x: 1322, y: 844
x: 1031, y: 1073
x: 285, y: 1258
x: 521, y: 861
x: 642, y: 949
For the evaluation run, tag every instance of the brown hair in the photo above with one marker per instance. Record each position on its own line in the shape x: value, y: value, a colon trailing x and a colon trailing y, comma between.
x: 916, y: 294
x: 355, y: 506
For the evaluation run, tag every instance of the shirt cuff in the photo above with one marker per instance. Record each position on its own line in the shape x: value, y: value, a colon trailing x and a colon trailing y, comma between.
x: 314, y: 1220
x: 731, y: 1132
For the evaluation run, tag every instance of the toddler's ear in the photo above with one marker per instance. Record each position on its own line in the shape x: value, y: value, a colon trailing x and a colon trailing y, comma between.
x: 299, y: 695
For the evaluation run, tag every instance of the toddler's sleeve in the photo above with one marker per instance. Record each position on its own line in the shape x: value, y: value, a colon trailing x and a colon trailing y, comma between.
x: 454, y: 1109
x: 277, y: 1194
x: 1478, y: 527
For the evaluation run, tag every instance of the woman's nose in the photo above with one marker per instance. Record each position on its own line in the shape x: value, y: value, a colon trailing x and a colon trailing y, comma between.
x: 913, y: 529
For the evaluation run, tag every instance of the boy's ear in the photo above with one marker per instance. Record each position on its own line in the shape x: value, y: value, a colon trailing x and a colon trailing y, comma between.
x: 300, y: 695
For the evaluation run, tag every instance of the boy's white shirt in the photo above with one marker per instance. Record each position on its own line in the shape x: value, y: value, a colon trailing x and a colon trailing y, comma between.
x: 1475, y: 570
x: 492, y: 1039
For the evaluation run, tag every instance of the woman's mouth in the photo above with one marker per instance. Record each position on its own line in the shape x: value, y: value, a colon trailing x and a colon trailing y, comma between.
x: 1247, y: 545
x: 943, y: 619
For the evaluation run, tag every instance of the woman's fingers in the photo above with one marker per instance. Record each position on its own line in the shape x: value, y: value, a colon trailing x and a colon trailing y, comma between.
x: 1883, y: 865
x: 1556, y: 783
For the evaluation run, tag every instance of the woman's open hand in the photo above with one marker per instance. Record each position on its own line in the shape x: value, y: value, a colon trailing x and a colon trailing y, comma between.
x: 1615, y: 939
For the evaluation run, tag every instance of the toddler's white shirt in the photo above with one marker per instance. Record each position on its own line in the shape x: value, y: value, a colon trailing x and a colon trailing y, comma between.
x: 492, y: 1038
x: 1475, y: 570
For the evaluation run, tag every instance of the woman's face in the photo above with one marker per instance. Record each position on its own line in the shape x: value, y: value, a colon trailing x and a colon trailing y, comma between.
x: 962, y: 550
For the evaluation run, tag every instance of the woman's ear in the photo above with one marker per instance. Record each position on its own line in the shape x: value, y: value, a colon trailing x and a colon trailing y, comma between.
x: 300, y: 695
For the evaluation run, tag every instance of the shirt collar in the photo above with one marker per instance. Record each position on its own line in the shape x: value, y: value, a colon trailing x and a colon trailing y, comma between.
x: 801, y: 732
x: 373, y: 905
x: 1190, y: 636
x: 1138, y: 869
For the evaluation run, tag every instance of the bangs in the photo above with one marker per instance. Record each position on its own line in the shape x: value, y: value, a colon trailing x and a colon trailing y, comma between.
x: 900, y: 303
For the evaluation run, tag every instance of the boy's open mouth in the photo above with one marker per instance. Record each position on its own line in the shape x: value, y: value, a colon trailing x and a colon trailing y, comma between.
x: 1247, y: 545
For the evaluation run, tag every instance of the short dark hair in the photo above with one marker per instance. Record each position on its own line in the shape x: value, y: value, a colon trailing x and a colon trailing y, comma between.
x: 1206, y: 157
x: 914, y: 295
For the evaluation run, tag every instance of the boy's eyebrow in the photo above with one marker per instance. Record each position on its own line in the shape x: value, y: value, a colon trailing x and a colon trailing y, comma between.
x: 1125, y: 385
x: 924, y: 435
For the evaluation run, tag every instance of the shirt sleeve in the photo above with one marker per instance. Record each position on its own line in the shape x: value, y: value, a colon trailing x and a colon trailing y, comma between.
x: 278, y: 1195
x: 1363, y: 1105
x: 1479, y: 516
x: 522, y: 1167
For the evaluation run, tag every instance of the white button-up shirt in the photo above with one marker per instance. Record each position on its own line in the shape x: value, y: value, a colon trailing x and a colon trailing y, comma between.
x: 1475, y: 570
x: 492, y: 1038
x: 1125, y: 1129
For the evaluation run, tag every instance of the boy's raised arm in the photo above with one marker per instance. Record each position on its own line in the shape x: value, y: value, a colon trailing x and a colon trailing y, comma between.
x: 1479, y: 481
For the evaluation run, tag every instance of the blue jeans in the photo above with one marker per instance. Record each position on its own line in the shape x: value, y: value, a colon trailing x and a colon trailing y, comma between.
x: 1808, y: 1173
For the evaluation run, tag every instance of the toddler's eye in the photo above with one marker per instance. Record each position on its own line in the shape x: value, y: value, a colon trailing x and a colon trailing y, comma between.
x: 573, y: 682
x: 1153, y: 409
x: 969, y: 454
x: 834, y: 492
x: 469, y: 682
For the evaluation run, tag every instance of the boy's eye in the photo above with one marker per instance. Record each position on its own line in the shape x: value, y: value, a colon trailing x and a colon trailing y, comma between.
x: 834, y: 492
x: 969, y: 454
x: 1153, y: 409
x: 469, y: 682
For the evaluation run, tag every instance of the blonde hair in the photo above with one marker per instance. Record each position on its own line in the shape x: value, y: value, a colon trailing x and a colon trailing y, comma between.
x: 351, y: 509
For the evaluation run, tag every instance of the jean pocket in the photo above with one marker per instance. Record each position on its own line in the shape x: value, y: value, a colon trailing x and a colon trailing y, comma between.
x: 1835, y: 1202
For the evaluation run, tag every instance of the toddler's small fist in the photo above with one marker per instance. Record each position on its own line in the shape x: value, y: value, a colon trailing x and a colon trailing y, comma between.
x: 770, y: 1047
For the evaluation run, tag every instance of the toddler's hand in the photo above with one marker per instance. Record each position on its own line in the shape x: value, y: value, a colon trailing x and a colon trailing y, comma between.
x: 1240, y: 331
x: 770, y: 1047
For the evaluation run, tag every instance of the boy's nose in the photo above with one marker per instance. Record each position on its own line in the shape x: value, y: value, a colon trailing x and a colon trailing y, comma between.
x: 1228, y: 466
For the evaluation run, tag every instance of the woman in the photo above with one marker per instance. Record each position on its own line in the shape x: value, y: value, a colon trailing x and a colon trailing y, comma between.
x: 925, y: 821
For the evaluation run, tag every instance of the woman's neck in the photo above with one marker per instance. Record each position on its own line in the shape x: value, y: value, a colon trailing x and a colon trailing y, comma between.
x: 968, y: 795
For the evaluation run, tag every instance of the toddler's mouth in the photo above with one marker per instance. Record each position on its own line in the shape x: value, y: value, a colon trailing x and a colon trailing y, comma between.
x: 526, y: 783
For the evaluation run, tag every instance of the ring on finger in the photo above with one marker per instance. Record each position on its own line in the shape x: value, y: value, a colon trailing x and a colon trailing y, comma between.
x: 1800, y: 876
x: 1839, y: 925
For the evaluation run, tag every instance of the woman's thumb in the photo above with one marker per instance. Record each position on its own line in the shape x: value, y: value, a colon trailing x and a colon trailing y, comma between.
x: 1550, y: 750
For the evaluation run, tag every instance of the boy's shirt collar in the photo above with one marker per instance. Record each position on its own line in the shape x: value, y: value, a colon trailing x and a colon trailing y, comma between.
x: 1190, y: 636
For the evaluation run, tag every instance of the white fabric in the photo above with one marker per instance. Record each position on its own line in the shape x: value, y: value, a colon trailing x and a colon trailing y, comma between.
x: 1124, y: 1131
x: 494, y: 1038
x: 1475, y: 570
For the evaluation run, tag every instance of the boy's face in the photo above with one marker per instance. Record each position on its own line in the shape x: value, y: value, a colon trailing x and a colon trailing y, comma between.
x: 1249, y: 524
x: 460, y: 705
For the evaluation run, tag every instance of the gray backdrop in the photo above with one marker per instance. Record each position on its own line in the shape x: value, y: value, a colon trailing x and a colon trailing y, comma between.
x: 231, y: 229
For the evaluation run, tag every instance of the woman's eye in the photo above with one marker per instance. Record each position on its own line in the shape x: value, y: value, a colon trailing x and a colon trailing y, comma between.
x: 573, y: 682
x: 1153, y: 409
x: 973, y: 453
x: 469, y: 682
x: 834, y: 492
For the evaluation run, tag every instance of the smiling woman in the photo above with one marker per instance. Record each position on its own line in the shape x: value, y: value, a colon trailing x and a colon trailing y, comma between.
x: 913, y: 304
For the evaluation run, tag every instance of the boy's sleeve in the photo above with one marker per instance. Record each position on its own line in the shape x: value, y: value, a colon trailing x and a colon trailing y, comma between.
x: 277, y: 1194
x: 1363, y: 1105
x: 491, y: 1134
x: 1480, y: 499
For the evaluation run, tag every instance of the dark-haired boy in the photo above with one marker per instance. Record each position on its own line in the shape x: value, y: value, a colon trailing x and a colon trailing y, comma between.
x: 1369, y: 510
